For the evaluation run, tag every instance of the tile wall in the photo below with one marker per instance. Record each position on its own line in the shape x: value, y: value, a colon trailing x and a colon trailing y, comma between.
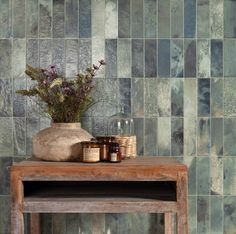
x: 170, y: 64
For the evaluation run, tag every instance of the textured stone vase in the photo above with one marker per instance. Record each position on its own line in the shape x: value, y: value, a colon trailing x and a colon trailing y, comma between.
x: 60, y: 142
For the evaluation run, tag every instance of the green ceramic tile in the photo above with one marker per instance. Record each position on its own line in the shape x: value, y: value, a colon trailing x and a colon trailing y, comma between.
x: 111, y: 58
x: 217, y: 18
x: 85, y: 54
x: 18, y: 58
x: 177, y: 98
x: 217, y: 136
x: 203, y: 20
x: 6, y: 58
x: 177, y: 137
x: 32, y: 19
x: 192, y: 217
x: 177, y: 18
x: 203, y: 58
x: 111, y: 222
x: 124, y: 95
x: 71, y: 57
x: 203, y: 176
x: 99, y: 126
x: 190, y: 97
x: 150, y: 18
x: 229, y: 136
x: 164, y: 136
x: 163, y: 19
x: 124, y: 26
x: 46, y: 223
x: 32, y: 52
x: 45, y: 53
x: 5, y: 16
x: 111, y: 19
x: 164, y: 97
x: 229, y: 97
x: 124, y: 58
x: 216, y: 214
x: 137, y: 98
x: 190, y: 136
x: 137, y: 18
x: 71, y: 18
x: 5, y: 217
x: 85, y: 18
x: 229, y: 176
x: 203, y: 136
x: 5, y: 163
x: 32, y: 127
x: 19, y: 101
x: 6, y: 98
x: 58, y: 27
x: 217, y: 108
x: 6, y: 137
x: 203, y: 215
x: 229, y: 214
x: 216, y: 176
x: 229, y: 57
x: 191, y: 163
x: 98, y: 223
x: 19, y: 136
x: 72, y: 223
x: 139, y: 132
x: 150, y: 97
x: 18, y: 18
x: 177, y: 58
x: 59, y: 223
x: 137, y: 58
x: 58, y: 54
x: 189, y: 58
x: 45, y: 18
x: 229, y: 19
x: 150, y: 139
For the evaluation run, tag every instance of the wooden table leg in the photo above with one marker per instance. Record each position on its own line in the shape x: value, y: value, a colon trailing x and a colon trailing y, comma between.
x: 35, y: 223
x: 169, y: 223
x: 17, y: 222
x: 182, y: 200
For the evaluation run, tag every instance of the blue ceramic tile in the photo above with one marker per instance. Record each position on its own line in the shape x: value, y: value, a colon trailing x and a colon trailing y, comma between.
x: 150, y: 92
x: 99, y: 126
x: 5, y: 16
x: 163, y: 18
x: 229, y: 19
x: 177, y: 136
x: 124, y: 18
x: 150, y: 14
x: 111, y: 19
x: 177, y: 58
x: 125, y: 95
x: 216, y: 58
x: 137, y: 97
x: 192, y: 217
x: 19, y: 101
x: 85, y: 54
x: 189, y: 58
x: 229, y: 214
x: 164, y: 58
x: 84, y: 18
x: 216, y: 214
x: 137, y: 58
x: 6, y: 59
x: 229, y: 136
x: 203, y: 58
x: 203, y: 176
x: 164, y: 136
x: 45, y: 18
x: 111, y: 58
x: 58, y: 19
x: 203, y: 137
x: 6, y: 100
x: 177, y: 99
x: 192, y: 180
x: 71, y: 57
x: 190, y: 18
x: 71, y: 18
x: 203, y: 19
x: 203, y: 214
x: 45, y: 52
x: 6, y: 136
x: 139, y: 132
x: 229, y: 58
x: 58, y: 54
x: 5, y: 163
x: 177, y: 18
x: 217, y: 100
x: 150, y: 137
x: 19, y: 136
x: 217, y: 136
x: 18, y: 18
x: 150, y: 58
x: 32, y: 52
x: 137, y: 18
x: 203, y: 97
x: 229, y: 176
x: 217, y: 18
x: 32, y: 18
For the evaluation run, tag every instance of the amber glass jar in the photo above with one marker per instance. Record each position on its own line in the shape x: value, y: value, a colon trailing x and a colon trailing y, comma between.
x: 91, y: 151
x: 104, y: 143
x: 114, y: 153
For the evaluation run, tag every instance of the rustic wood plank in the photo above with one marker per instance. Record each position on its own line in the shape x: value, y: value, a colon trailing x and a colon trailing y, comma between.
x: 35, y: 223
x: 169, y: 223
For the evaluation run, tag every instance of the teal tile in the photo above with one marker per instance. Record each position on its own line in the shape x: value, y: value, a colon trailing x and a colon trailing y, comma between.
x: 189, y: 58
x: 203, y: 176
x: 124, y: 95
x: 203, y: 20
x: 164, y: 58
x: 177, y: 18
x: 229, y: 214
x: 229, y: 176
x: 229, y: 19
x: 5, y: 164
x: 203, y: 137
x: 111, y: 222
x: 137, y: 18
x: 216, y: 176
x: 150, y: 18
x: 163, y: 19
x: 164, y: 97
x: 6, y: 137
x: 137, y: 98
x: 203, y: 214
x: 139, y: 132
x: 84, y: 18
x: 19, y: 101
x: 229, y: 97
x: 32, y: 52
x: 177, y: 137
x: 124, y: 58
x: 150, y: 139
x: 217, y: 100
x: 5, y: 16
x: 216, y: 214
x: 217, y: 18
x: 71, y: 57
x: 5, y: 217
x: 45, y: 18
x: 150, y: 58
x: 190, y: 136
x: 58, y: 27
x: 32, y: 19
x: 19, y: 136
x: 45, y: 52
x: 18, y: 18
x: 124, y: 18
x: 58, y: 54
x: 177, y: 101
x: 59, y: 223
x: 217, y: 136
x: 111, y: 58
x: 99, y: 126
x: 216, y: 58
x: 32, y: 103
x: 137, y: 58
x: 192, y: 217
x: 6, y: 98
x: 192, y: 185
x: 203, y: 58
x: 111, y: 19
x: 46, y: 223
x: 177, y: 58
x: 19, y: 58
x: 98, y: 222
x: 6, y: 58
x: 150, y: 97
x: 229, y: 136
x: 85, y: 54
x: 190, y: 97
x: 229, y: 56
x: 190, y: 18
x: 72, y: 223
x: 71, y: 18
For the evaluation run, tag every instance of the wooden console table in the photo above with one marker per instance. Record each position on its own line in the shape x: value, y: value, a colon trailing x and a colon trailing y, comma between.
x: 143, y: 184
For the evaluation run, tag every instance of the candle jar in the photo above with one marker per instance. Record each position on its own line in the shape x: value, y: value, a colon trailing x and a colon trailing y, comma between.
x: 114, y: 153
x: 104, y: 143
x: 91, y: 151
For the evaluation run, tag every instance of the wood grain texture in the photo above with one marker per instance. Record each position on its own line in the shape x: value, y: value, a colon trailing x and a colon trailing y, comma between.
x: 169, y: 224
x: 35, y: 223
